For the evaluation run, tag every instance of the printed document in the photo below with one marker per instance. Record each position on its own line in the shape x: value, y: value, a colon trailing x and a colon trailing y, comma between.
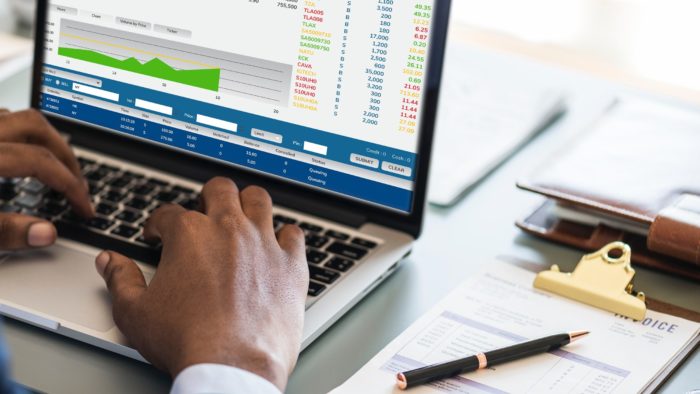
x: 499, y: 307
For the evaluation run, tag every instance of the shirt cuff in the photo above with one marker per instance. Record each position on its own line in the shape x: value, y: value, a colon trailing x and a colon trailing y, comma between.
x: 220, y: 379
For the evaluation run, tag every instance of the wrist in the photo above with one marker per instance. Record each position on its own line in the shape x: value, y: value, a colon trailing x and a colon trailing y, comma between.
x: 259, y: 363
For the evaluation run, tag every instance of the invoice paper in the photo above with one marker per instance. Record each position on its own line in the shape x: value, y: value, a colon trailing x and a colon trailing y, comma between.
x: 499, y: 307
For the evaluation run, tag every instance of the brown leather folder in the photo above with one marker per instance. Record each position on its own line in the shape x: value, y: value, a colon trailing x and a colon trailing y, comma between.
x: 637, y: 170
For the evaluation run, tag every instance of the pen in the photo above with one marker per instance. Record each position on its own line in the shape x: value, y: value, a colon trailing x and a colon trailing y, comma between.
x: 431, y: 373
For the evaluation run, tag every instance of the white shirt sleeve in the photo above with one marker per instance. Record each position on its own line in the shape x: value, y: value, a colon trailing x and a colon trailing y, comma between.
x: 220, y: 379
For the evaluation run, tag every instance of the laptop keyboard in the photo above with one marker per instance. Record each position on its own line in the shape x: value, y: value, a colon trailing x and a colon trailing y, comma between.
x: 124, y: 200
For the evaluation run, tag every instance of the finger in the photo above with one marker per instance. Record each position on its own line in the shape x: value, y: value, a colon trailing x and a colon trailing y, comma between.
x: 21, y: 232
x: 20, y: 160
x: 126, y: 285
x: 291, y: 240
x: 31, y: 127
x: 220, y: 197
x: 163, y: 222
x: 4, y: 111
x: 257, y: 206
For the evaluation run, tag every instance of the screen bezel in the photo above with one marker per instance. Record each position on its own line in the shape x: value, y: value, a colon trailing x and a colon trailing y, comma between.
x: 285, y: 193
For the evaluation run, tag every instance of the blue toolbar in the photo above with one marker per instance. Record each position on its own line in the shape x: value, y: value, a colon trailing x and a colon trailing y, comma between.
x: 286, y: 136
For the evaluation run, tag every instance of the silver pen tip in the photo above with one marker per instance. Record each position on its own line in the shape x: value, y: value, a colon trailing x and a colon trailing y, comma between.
x: 576, y: 335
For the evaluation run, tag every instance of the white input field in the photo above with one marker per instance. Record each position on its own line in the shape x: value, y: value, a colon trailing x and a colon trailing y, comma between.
x: 155, y: 107
x: 315, y: 148
x: 222, y: 124
x: 95, y: 92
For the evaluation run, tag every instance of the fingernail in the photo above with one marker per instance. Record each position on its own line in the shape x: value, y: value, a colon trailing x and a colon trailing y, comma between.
x: 41, y: 235
x: 101, y: 263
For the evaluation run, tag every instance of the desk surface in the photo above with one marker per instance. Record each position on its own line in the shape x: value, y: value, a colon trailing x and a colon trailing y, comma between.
x: 456, y: 243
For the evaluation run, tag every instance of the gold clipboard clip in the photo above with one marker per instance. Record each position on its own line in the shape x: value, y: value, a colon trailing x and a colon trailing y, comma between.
x: 600, y: 280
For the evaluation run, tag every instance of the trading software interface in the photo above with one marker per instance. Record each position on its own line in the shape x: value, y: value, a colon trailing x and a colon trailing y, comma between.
x: 324, y: 93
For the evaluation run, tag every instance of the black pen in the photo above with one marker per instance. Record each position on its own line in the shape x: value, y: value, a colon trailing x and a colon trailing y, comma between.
x: 431, y: 373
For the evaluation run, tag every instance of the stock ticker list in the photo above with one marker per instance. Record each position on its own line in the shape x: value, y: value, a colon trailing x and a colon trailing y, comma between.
x: 373, y: 53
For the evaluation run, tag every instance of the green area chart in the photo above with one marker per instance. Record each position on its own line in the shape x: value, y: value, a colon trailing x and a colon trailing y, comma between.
x: 205, y: 79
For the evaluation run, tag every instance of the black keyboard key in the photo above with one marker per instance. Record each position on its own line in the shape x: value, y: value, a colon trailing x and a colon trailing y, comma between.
x: 316, y: 241
x: 105, y: 209
x: 108, y: 168
x: 323, y: 275
x: 97, y: 175
x: 285, y: 219
x: 183, y: 189
x: 167, y: 196
x: 7, y: 208
x: 158, y: 182
x: 315, y: 256
x: 311, y: 227
x: 114, y: 196
x: 7, y: 191
x: 125, y: 231
x: 85, y: 162
x: 29, y: 201
x: 33, y: 186
x: 348, y: 251
x: 144, y: 189
x: 121, y: 182
x: 364, y: 243
x: 340, y: 264
x: 337, y: 235
x: 134, y: 175
x: 315, y: 289
x: 52, y: 209
x: 83, y: 234
x: 95, y: 188
x: 137, y: 203
x: 129, y: 216
x: 56, y: 197
x: 40, y: 215
x: 73, y: 217
x: 99, y: 223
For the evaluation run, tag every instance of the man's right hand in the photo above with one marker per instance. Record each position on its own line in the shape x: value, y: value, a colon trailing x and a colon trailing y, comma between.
x: 228, y: 290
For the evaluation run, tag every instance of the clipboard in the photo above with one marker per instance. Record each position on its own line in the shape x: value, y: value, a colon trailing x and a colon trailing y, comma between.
x: 499, y: 306
x: 651, y: 304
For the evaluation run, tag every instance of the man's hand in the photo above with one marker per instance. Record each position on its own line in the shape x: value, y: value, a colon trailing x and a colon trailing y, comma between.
x: 227, y: 290
x: 30, y: 147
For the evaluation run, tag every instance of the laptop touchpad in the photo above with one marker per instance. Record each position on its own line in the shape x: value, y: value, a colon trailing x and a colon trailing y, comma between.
x: 59, y: 282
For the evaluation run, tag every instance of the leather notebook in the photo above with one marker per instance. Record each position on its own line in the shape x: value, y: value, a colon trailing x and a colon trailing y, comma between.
x: 634, y: 177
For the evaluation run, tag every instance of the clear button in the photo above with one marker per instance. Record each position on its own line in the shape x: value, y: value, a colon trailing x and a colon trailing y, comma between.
x: 396, y: 169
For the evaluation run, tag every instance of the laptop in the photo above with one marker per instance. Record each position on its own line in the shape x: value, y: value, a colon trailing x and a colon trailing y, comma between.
x: 330, y: 106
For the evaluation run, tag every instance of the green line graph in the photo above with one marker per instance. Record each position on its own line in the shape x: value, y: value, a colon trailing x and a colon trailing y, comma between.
x: 206, y: 79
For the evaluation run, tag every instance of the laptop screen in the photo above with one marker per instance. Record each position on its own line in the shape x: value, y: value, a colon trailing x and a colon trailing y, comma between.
x: 327, y: 94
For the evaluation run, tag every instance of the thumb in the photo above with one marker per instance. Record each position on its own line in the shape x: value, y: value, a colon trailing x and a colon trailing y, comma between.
x: 126, y: 285
x: 21, y: 231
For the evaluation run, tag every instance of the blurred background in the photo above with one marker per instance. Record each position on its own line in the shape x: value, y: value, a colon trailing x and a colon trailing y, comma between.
x: 651, y: 40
